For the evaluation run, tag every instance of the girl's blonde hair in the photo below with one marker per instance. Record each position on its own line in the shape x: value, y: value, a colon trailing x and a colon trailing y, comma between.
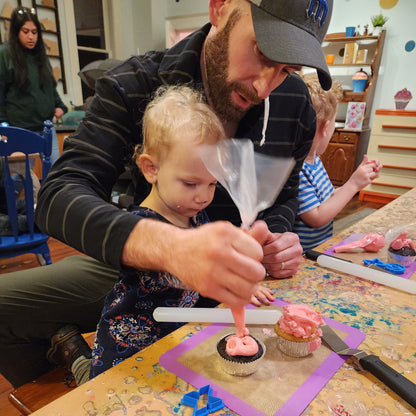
x: 175, y: 112
x: 324, y: 102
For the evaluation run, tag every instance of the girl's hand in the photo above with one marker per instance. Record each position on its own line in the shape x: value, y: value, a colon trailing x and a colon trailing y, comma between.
x: 59, y: 112
x: 262, y: 296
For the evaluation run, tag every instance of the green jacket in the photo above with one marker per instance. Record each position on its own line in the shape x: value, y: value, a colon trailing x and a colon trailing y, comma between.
x: 26, y: 110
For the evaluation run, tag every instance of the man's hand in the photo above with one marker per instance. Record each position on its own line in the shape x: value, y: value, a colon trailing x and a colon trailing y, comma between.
x: 218, y: 260
x: 282, y: 254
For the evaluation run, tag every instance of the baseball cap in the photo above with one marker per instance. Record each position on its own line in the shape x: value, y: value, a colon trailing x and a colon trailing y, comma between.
x: 291, y: 32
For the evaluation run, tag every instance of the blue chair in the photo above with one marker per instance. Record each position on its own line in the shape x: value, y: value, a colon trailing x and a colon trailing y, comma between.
x: 15, y: 139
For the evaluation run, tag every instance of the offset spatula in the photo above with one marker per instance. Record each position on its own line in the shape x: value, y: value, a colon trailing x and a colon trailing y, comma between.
x: 390, y: 377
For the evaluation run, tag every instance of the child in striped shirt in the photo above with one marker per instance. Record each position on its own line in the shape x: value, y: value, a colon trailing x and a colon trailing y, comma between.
x: 319, y: 201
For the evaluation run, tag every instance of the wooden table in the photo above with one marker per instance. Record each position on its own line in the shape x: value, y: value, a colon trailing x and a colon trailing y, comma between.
x: 140, y: 385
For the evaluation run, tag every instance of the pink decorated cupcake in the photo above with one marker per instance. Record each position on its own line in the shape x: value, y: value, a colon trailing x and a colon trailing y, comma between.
x: 240, y: 356
x: 298, y: 332
x: 402, y: 98
x: 402, y: 249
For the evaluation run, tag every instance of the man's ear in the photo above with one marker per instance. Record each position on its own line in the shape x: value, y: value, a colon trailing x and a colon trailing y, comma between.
x: 149, y: 167
x: 216, y: 10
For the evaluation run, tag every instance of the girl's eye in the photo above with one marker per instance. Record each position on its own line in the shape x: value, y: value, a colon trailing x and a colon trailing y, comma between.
x: 190, y: 184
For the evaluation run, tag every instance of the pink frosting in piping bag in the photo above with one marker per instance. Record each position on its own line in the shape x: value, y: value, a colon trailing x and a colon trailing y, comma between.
x: 241, y: 343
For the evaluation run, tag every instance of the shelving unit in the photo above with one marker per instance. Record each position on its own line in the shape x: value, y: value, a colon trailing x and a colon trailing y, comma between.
x: 45, y: 9
x: 347, y: 147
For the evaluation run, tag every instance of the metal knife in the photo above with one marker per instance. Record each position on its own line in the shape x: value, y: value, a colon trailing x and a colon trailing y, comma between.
x: 390, y: 377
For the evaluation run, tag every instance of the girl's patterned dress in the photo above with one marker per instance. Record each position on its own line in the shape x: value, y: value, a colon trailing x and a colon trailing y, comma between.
x: 126, y: 325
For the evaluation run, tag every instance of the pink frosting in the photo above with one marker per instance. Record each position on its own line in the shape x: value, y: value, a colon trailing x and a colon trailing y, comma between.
x: 300, y: 321
x: 241, y: 343
x: 241, y: 346
x: 401, y: 241
x: 370, y: 242
x: 403, y: 94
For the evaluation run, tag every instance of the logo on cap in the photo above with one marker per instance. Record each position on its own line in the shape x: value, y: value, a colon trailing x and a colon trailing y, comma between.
x: 318, y: 9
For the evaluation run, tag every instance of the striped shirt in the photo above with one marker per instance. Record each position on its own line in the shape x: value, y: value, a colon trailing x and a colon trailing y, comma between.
x: 73, y: 202
x: 315, y: 187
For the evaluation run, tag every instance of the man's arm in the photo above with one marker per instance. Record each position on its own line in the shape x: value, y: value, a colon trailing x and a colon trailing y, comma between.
x: 218, y: 260
x: 73, y: 203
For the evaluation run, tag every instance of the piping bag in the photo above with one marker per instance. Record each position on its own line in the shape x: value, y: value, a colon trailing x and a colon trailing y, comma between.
x: 253, y: 181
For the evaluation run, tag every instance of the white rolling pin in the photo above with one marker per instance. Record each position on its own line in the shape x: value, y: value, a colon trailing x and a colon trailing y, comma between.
x: 377, y: 276
x: 223, y: 316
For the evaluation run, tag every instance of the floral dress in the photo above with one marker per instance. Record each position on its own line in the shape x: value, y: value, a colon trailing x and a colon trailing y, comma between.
x: 126, y: 325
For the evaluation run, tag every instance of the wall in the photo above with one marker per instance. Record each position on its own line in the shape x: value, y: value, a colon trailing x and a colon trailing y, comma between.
x: 139, y: 25
x: 397, y: 66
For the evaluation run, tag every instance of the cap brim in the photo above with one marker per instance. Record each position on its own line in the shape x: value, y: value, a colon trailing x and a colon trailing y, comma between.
x: 288, y: 44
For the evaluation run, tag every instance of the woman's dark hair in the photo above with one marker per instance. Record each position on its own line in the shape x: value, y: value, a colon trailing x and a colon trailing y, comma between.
x: 19, y: 17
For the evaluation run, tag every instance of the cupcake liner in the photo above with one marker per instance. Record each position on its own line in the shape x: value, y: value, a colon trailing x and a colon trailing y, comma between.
x: 236, y: 368
x: 293, y: 348
x: 401, y: 104
x: 403, y: 260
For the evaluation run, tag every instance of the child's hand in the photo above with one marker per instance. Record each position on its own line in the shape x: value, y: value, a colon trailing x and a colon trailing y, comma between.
x: 366, y: 172
x: 262, y: 295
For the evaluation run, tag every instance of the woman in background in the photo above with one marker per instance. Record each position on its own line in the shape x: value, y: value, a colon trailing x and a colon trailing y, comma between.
x: 28, y: 94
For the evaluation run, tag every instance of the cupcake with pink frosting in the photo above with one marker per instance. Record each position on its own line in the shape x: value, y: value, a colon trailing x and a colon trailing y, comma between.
x: 402, y: 98
x: 298, y: 332
x: 240, y: 356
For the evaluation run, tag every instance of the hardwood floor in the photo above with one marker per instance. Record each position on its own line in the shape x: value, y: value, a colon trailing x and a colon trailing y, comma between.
x: 60, y: 251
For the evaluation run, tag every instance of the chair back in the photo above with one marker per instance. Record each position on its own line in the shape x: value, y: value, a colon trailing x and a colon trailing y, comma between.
x: 15, y: 139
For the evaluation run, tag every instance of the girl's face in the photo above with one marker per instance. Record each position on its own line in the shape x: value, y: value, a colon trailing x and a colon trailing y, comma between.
x: 28, y: 35
x: 184, y: 185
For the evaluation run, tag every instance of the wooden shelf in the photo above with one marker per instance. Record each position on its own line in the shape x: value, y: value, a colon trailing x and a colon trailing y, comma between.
x: 344, y: 155
x: 335, y: 37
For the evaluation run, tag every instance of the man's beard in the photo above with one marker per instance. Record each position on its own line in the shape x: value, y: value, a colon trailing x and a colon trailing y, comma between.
x: 219, y: 88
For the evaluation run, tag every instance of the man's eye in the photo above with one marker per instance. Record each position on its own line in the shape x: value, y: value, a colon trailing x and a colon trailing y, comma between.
x: 190, y: 184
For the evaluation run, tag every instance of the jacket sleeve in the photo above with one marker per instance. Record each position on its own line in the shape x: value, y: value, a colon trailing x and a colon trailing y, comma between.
x: 73, y: 204
x: 58, y: 102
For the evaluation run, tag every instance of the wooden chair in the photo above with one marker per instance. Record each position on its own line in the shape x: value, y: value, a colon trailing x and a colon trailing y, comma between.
x: 15, y: 140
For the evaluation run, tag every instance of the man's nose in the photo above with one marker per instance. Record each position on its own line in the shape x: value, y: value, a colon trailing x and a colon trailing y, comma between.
x: 269, y: 78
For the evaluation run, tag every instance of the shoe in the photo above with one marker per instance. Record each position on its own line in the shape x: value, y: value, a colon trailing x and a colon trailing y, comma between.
x: 66, y: 346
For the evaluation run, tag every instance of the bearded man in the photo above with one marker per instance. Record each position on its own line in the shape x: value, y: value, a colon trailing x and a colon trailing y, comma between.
x: 245, y: 61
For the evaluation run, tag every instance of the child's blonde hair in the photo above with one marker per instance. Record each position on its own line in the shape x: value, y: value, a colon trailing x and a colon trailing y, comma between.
x: 174, y: 112
x: 324, y: 102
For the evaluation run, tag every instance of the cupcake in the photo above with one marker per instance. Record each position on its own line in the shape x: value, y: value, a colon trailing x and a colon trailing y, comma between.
x: 298, y: 332
x: 402, y: 250
x: 402, y: 98
x: 359, y: 81
x: 240, y: 361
